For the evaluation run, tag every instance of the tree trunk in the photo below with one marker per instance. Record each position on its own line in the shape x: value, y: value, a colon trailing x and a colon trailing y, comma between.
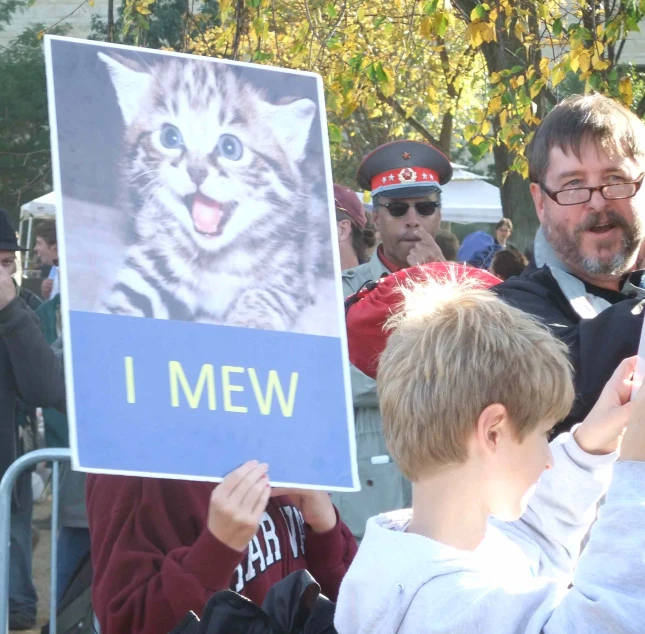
x: 109, y: 36
x: 517, y: 203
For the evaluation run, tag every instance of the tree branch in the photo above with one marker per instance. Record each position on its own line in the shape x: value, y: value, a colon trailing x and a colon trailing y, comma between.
x: 239, y: 19
x: 411, y: 121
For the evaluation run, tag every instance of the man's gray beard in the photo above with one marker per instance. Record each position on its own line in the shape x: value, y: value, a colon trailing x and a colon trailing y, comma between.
x: 568, y: 247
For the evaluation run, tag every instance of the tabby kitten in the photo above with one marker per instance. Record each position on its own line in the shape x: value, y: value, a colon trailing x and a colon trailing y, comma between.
x: 221, y: 211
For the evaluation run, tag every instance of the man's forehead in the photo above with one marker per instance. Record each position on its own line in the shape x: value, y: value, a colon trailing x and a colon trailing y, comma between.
x: 430, y: 197
x: 592, y: 157
x: 7, y: 254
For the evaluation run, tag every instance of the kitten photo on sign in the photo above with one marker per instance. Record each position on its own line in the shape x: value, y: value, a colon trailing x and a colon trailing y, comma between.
x: 220, y: 182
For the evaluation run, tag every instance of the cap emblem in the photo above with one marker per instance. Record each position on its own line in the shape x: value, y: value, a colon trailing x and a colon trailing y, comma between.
x: 407, y: 175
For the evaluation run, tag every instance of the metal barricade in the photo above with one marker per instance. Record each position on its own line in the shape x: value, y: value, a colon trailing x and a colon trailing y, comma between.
x: 30, y: 459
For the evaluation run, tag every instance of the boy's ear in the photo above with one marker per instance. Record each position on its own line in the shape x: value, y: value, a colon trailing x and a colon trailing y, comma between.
x: 493, y: 425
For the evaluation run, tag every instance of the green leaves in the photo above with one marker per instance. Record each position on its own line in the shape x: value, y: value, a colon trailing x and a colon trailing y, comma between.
x: 335, y: 135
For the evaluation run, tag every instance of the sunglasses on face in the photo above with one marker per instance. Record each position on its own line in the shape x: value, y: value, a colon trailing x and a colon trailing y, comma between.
x: 399, y: 209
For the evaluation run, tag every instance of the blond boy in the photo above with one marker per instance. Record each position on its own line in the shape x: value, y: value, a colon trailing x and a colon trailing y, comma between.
x: 469, y: 389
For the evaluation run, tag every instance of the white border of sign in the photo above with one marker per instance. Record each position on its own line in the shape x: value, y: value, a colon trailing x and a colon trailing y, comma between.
x: 67, y: 341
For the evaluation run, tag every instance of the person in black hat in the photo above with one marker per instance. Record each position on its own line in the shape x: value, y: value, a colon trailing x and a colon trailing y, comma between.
x: 8, y: 248
x: 405, y: 179
x: 31, y: 372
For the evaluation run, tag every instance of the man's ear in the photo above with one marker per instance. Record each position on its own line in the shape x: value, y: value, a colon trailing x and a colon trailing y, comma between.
x: 538, y: 200
x: 376, y: 216
x: 493, y: 426
x: 344, y: 230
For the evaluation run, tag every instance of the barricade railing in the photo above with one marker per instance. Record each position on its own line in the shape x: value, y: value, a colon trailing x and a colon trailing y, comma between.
x: 55, y: 456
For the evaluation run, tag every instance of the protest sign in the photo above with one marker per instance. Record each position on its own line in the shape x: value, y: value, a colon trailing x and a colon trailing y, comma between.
x: 202, y: 305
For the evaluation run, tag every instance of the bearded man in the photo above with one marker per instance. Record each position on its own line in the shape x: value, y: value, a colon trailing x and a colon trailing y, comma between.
x: 586, y: 166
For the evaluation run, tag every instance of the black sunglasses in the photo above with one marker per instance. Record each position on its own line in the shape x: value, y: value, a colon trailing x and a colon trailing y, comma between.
x: 424, y: 208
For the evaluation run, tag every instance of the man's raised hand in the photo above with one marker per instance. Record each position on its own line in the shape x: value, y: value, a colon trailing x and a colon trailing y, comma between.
x: 426, y: 250
x: 7, y: 288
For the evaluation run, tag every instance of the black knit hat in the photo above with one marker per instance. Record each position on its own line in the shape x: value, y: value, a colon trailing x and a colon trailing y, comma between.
x: 8, y: 241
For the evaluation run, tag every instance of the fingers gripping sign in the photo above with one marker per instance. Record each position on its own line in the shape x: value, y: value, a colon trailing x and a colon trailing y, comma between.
x: 237, y: 504
x: 426, y: 250
x: 316, y: 507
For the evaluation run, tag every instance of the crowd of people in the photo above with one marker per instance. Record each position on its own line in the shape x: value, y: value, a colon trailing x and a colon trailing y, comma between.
x: 493, y: 415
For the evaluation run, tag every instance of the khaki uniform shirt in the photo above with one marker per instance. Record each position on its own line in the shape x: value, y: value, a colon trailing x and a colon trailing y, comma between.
x: 383, y: 487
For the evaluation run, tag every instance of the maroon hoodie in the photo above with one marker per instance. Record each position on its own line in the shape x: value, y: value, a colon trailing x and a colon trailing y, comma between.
x: 154, y: 558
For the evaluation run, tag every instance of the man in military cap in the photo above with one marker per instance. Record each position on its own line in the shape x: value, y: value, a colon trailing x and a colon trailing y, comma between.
x: 405, y: 179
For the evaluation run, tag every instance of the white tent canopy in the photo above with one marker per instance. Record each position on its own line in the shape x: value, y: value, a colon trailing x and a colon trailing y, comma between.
x: 468, y: 198
x: 44, y: 206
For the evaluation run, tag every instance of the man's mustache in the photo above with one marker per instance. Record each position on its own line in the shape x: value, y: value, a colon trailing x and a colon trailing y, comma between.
x: 597, y: 218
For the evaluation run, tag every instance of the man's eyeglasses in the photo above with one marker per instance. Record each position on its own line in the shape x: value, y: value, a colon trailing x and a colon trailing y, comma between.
x: 399, y: 209
x: 579, y: 195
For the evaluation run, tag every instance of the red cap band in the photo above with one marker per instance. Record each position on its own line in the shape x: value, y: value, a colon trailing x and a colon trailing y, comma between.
x: 404, y: 175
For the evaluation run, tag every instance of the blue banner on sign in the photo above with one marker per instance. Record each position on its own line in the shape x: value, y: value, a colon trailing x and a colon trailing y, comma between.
x: 195, y: 400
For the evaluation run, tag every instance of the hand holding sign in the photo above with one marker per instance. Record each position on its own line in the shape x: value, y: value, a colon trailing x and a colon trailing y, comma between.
x: 426, y: 250
x: 237, y: 504
x: 315, y: 506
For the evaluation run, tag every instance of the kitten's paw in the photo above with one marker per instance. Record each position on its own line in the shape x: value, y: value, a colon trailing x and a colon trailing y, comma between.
x: 257, y: 309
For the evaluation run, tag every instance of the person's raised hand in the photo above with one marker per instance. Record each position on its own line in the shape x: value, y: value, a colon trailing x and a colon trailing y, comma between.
x: 425, y: 250
x: 602, y: 430
x: 237, y: 504
x: 633, y: 442
x: 316, y: 507
x: 46, y: 288
x: 7, y: 288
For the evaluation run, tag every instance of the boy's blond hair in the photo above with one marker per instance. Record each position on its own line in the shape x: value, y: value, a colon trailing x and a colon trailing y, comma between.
x: 455, y: 350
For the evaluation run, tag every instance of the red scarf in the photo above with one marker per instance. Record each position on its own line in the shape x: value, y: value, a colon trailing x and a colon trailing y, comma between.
x: 390, y: 266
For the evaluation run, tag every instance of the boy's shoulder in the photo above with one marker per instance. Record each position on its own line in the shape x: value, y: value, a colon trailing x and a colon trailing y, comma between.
x: 409, y: 583
x: 471, y: 602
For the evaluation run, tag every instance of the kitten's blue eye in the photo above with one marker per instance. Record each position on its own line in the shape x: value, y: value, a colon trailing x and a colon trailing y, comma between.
x: 171, y: 137
x: 230, y: 147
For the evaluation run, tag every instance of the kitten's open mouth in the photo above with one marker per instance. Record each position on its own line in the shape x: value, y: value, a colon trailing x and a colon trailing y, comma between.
x: 209, y: 216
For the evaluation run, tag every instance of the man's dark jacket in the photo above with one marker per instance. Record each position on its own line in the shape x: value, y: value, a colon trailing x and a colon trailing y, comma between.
x: 597, y: 346
x: 29, y: 369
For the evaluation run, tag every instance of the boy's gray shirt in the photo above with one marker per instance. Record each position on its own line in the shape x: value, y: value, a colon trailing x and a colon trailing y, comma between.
x: 517, y: 581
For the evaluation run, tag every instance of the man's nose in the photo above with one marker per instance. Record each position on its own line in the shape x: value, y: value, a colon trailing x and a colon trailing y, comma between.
x: 412, y: 217
x: 597, y: 200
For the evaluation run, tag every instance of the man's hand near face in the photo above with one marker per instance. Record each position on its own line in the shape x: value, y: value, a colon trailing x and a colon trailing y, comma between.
x: 426, y: 250
x: 7, y: 288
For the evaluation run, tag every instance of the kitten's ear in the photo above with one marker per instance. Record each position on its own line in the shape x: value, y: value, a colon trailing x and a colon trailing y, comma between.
x: 130, y: 86
x: 292, y: 123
